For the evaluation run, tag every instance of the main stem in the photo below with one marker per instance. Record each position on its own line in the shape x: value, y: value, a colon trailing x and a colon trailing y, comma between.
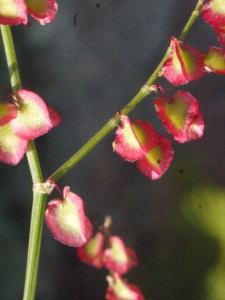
x: 112, y: 123
x: 39, y: 200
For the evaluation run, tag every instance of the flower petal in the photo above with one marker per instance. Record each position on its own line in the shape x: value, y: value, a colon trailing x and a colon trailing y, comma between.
x: 155, y: 163
x: 33, y: 116
x: 119, y: 289
x: 215, y: 60
x: 67, y: 221
x: 12, y: 148
x: 43, y: 11
x: 213, y: 12
x: 184, y: 64
x: 134, y: 139
x: 13, y: 12
x: 91, y: 253
x: 178, y: 114
x: 118, y: 258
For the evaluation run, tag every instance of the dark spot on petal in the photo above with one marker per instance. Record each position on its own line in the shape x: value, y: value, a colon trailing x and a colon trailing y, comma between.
x: 158, y: 161
x: 200, y: 206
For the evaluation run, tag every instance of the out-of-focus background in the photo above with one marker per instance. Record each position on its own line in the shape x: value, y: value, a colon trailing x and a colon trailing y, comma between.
x: 88, y: 64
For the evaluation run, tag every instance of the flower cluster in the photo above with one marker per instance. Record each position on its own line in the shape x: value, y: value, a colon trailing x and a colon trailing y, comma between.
x: 26, y: 119
x: 115, y: 257
x: 14, y: 12
x: 137, y: 140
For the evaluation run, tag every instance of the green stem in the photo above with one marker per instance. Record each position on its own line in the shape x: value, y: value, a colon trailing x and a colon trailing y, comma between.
x: 144, y: 91
x: 39, y: 200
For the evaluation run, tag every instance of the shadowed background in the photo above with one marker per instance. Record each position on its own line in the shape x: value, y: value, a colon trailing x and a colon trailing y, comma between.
x: 88, y: 64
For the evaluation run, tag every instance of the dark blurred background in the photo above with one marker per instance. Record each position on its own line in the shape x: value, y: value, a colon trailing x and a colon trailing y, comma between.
x: 88, y: 64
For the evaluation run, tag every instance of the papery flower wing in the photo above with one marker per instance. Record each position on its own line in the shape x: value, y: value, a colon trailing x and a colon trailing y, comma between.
x: 215, y: 60
x: 119, y: 289
x: 178, y: 114
x: 12, y: 148
x: 67, y: 221
x: 91, y: 253
x: 43, y: 11
x: 33, y: 118
x: 134, y: 138
x: 184, y: 64
x: 7, y: 112
x: 117, y: 257
x: 13, y: 12
x: 213, y: 12
x: 155, y: 163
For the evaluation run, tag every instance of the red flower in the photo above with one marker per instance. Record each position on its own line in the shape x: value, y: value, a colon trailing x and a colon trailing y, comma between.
x: 67, y: 221
x: 119, y: 289
x: 117, y: 257
x: 91, y: 253
x: 138, y: 141
x: 14, y: 12
x: 181, y: 116
x: 185, y: 63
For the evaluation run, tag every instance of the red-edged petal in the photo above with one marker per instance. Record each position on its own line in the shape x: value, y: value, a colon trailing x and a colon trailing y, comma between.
x: 43, y: 11
x: 13, y: 12
x: 33, y: 116
x: 12, y: 148
x: 91, y: 253
x: 67, y: 221
x: 118, y: 258
x: 215, y: 60
x: 119, y: 289
x: 134, y: 138
x: 220, y: 28
x: 155, y: 163
x: 213, y: 12
x: 184, y: 64
x: 178, y: 114
x: 7, y: 112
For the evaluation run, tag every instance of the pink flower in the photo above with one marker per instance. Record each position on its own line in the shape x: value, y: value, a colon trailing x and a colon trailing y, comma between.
x: 91, y: 253
x: 185, y: 63
x: 213, y: 12
x: 119, y: 289
x: 67, y: 221
x: 138, y: 141
x: 181, y: 116
x: 14, y: 12
x: 117, y: 257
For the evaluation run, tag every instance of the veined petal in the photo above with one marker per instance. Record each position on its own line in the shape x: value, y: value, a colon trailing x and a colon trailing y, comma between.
x: 213, y: 12
x: 13, y: 12
x: 118, y: 257
x: 33, y: 118
x: 7, y: 112
x: 91, y: 253
x: 67, y: 221
x: 43, y: 11
x: 155, y: 163
x: 12, y: 148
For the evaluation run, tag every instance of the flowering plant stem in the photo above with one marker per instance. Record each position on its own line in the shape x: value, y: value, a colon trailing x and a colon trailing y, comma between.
x: 39, y: 200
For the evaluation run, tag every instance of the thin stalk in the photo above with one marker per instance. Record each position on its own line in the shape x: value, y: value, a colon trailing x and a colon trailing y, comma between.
x: 112, y: 123
x: 39, y: 200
